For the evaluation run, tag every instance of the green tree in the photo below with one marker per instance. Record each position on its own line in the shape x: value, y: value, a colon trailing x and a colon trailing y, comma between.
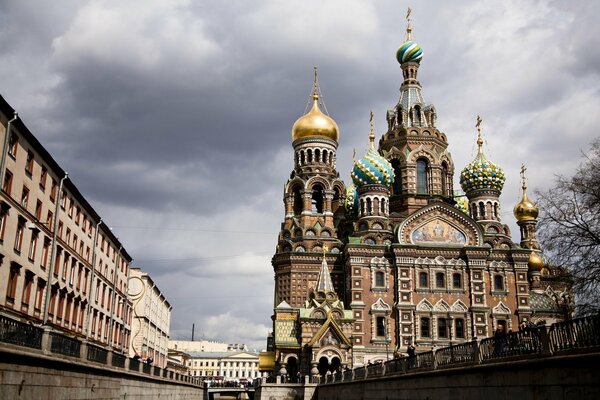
x: 569, y: 228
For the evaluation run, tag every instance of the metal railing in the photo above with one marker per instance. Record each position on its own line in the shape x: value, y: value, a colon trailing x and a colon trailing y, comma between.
x: 134, y: 364
x: 581, y: 333
x: 98, y: 354
x: 65, y: 345
x: 576, y: 334
x: 20, y: 334
x: 118, y: 360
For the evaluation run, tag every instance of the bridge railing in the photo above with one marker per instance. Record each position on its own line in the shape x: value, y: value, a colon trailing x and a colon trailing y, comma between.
x: 581, y: 333
x: 49, y: 342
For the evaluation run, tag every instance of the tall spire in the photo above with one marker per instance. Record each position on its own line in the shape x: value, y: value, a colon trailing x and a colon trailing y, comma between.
x: 371, y: 132
x: 324, y: 283
x: 315, y: 89
x: 408, y: 27
x: 479, y: 138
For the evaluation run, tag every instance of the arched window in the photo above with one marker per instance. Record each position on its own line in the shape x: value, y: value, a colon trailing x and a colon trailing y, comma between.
x: 422, y: 184
x: 369, y: 206
x: 481, y: 210
x: 445, y: 191
x: 302, y: 158
x: 382, y: 206
x: 317, y: 200
x: 317, y: 155
x: 380, y: 326
x: 310, y: 158
x: 423, y: 279
x: 457, y: 281
x: 298, y: 206
x: 498, y: 282
x: 439, y: 280
x: 325, y: 156
x: 424, y: 327
x: 335, y: 204
x: 496, y: 210
x: 379, y: 279
x: 397, y: 188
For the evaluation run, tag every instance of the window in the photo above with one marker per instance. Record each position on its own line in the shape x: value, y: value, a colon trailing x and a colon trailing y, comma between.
x: 425, y: 327
x: 71, y: 202
x: 439, y: 280
x: 380, y: 322
x: 379, y: 279
x: 26, y: 290
x: 7, y: 184
x: 77, y: 215
x: 63, y: 200
x: 45, y: 252
x: 12, y: 145
x: 24, y: 197
x: 457, y: 281
x: 39, y: 295
x: 53, y: 190
x: 68, y: 236
x: 423, y: 279
x: 498, y: 282
x: 43, y: 176
x: 57, y: 262
x: 317, y: 200
x: 460, y: 328
x: 445, y: 179
x: 49, y: 217
x: 29, y: 163
x: 2, y: 225
x: 32, y: 246
x: 19, y: 235
x: 38, y: 210
x: 397, y: 177
x: 11, y: 287
x: 422, y: 183
x: 442, y: 328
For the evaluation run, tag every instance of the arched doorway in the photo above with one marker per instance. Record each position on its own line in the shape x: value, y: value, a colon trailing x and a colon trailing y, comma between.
x: 335, y: 364
x: 292, y: 368
x: 323, y: 366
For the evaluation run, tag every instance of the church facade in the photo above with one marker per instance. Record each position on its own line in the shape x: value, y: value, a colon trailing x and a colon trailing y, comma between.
x: 395, y: 258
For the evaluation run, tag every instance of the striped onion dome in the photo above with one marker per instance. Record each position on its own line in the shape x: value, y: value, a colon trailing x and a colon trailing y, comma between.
x: 372, y: 169
x: 409, y: 52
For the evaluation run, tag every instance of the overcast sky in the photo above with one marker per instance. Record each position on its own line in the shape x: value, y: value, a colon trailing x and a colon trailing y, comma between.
x: 173, y: 117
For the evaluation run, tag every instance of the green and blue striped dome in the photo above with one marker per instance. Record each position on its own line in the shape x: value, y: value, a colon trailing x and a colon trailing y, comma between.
x: 409, y: 52
x: 372, y: 169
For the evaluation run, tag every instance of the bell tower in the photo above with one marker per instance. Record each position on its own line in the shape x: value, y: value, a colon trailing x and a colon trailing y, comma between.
x: 414, y: 146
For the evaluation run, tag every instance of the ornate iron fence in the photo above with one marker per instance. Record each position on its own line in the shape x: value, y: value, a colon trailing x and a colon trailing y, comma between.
x: 134, y: 364
x: 397, y: 365
x: 513, y: 344
x: 97, y: 354
x: 575, y: 334
x: 456, y: 354
x: 20, y: 334
x: 65, y: 345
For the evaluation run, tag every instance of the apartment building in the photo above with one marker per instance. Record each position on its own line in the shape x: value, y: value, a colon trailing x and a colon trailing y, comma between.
x: 60, y: 266
x: 151, y: 319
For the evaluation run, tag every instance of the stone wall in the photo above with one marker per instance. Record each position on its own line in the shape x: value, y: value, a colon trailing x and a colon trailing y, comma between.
x: 572, y: 376
x: 285, y: 391
x: 27, y: 376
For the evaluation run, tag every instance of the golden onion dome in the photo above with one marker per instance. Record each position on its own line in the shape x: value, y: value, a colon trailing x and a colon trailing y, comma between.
x: 525, y: 210
x: 536, y: 262
x: 315, y: 124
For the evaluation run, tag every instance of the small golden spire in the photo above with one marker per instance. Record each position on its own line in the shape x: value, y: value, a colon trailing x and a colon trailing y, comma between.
x: 315, y: 91
x: 325, y: 250
x: 408, y: 27
x: 479, y: 138
x: 523, y: 169
x: 371, y: 132
x: 353, y: 155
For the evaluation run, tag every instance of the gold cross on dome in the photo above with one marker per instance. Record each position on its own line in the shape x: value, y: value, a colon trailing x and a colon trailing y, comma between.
x: 408, y: 28
x: 523, y: 169
x: 371, y: 131
x: 325, y: 250
x: 478, y: 124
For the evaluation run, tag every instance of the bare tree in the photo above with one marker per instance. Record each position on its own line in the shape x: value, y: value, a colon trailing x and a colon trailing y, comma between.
x: 569, y: 228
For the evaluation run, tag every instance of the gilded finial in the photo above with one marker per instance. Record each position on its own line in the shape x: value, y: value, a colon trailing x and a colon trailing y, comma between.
x: 479, y: 139
x: 371, y: 131
x: 325, y: 250
x: 523, y: 169
x: 315, y: 91
x: 353, y: 155
x: 408, y: 27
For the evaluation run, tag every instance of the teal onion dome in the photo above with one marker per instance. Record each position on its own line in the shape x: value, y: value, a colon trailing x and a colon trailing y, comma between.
x: 409, y: 51
x: 372, y: 169
x: 482, y: 174
x: 351, y: 202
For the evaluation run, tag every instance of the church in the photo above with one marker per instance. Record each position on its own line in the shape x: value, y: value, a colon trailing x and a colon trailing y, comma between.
x: 395, y: 258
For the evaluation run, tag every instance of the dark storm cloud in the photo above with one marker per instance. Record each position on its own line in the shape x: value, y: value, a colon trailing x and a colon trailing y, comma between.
x: 177, y: 115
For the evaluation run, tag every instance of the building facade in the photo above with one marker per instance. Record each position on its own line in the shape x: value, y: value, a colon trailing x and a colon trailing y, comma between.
x: 198, y: 345
x: 151, y: 319
x: 393, y: 259
x: 228, y: 365
x: 60, y: 266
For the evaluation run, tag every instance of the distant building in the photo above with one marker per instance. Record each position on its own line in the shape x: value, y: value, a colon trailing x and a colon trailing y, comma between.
x: 200, y: 345
x: 178, y: 361
x: 231, y: 366
x: 50, y: 239
x: 151, y: 319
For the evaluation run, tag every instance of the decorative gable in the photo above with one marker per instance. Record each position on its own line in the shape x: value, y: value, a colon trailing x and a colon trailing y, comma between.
x: 440, y: 224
